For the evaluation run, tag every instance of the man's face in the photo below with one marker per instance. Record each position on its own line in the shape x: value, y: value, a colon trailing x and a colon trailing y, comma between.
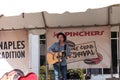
x: 60, y: 38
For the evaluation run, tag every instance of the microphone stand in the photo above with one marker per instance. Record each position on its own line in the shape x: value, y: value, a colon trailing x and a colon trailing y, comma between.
x: 59, y: 77
x: 59, y: 57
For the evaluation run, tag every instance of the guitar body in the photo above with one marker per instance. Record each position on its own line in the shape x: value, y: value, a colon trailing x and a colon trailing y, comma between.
x: 52, y: 59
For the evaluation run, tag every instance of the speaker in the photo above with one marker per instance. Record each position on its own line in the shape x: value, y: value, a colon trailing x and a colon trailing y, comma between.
x: 73, y: 75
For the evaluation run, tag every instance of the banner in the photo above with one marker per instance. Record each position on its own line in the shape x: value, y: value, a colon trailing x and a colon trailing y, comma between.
x: 14, y: 56
x: 90, y: 47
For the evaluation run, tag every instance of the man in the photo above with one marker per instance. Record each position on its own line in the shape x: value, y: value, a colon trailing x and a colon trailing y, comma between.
x: 60, y: 46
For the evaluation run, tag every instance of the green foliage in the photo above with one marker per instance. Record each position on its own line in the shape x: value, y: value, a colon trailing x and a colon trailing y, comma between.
x: 42, y: 69
x: 51, y: 73
x: 42, y: 72
x: 42, y: 77
x: 80, y: 72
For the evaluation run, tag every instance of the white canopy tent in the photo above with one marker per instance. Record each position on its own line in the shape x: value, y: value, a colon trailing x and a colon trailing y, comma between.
x: 36, y: 23
x: 41, y: 20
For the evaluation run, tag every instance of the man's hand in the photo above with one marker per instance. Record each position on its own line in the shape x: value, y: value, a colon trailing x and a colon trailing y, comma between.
x: 51, y: 52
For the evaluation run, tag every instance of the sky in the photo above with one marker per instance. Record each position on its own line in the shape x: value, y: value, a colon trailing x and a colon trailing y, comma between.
x: 16, y: 7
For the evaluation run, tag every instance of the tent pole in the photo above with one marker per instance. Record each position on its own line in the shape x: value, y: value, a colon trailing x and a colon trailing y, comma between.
x: 44, y: 20
x: 109, y: 21
x: 119, y: 52
x: 46, y: 78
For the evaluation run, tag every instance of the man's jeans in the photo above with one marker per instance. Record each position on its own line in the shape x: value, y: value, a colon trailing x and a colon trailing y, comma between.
x: 63, y: 71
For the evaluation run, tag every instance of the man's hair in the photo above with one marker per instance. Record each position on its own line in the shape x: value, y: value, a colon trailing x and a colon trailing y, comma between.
x: 18, y: 74
x: 64, y: 36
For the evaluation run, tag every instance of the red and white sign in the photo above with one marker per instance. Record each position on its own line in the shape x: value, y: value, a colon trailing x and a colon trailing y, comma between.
x: 14, y: 54
x: 91, y: 46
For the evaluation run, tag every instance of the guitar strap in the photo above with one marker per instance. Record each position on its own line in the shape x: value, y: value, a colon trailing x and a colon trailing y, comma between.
x: 64, y: 53
x: 65, y: 47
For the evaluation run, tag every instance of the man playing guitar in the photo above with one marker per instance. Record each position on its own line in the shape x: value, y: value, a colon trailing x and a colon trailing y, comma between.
x: 60, y: 46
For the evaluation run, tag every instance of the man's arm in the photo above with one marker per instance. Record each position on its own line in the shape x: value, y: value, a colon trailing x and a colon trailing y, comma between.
x: 51, y: 48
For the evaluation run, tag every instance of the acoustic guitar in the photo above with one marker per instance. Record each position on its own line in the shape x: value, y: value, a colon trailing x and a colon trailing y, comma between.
x: 54, y: 58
